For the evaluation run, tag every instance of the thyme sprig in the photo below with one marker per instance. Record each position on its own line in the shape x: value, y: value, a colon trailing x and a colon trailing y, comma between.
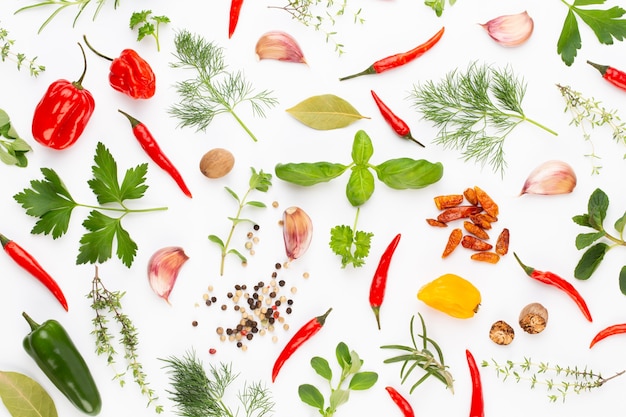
x: 475, y: 111
x: 214, y: 90
x: 108, y: 306
x: 7, y: 53
x: 559, y: 379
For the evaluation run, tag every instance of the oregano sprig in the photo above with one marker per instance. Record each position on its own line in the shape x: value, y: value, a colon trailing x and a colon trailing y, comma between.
x: 7, y: 52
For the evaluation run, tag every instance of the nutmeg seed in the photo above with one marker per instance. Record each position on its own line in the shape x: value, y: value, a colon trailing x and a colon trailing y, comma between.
x: 501, y: 333
x: 533, y: 318
x: 216, y: 163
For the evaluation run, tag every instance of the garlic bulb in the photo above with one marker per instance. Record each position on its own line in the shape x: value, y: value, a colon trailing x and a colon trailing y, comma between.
x: 510, y: 30
x: 297, y: 232
x: 551, y: 177
x: 163, y: 270
x: 280, y: 46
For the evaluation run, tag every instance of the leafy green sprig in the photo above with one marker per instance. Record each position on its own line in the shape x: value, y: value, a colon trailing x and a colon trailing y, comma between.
x: 51, y: 202
x: 593, y: 256
x: 259, y: 181
x: 351, y: 244
x: 13, y: 149
x: 438, y: 5
x: 214, y: 90
x: 148, y: 25
x: 7, y: 53
x: 350, y: 364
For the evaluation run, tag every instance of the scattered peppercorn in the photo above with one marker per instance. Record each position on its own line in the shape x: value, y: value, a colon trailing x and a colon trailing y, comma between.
x: 256, y: 227
x: 194, y: 323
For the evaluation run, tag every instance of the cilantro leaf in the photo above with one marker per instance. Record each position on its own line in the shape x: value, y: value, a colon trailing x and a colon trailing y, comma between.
x: 342, y: 241
x: 97, y: 245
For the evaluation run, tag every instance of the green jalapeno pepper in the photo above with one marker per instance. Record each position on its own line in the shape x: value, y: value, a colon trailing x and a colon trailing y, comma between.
x: 51, y: 347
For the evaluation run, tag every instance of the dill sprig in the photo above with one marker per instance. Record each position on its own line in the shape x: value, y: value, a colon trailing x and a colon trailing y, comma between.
x: 198, y: 394
x: 568, y: 379
x: 214, y: 90
x: 475, y: 111
x: 7, y: 53
x: 588, y: 113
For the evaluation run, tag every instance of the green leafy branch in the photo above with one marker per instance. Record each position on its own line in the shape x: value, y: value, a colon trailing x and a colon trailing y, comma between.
x: 350, y: 364
x: 6, y: 53
x: 259, y: 181
x: 148, y: 25
x: 593, y: 256
x: 438, y: 5
x: 13, y: 149
x: 351, y: 244
x: 51, y: 202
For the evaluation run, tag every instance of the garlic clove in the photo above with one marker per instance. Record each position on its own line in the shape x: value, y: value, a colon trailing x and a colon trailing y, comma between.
x: 551, y: 177
x: 297, y: 232
x: 280, y: 46
x: 510, y: 30
x: 163, y: 270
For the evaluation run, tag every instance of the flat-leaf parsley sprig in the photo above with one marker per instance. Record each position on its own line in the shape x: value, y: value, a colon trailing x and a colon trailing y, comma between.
x: 52, y: 203
x: 214, y: 90
x: 475, y: 111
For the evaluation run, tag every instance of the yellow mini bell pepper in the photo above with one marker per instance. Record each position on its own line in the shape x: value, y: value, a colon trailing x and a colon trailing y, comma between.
x: 452, y: 295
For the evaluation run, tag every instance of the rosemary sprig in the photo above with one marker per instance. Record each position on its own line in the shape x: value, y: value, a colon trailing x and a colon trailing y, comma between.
x: 108, y: 304
x: 7, y: 53
x: 214, y: 90
x: 588, y: 113
x: 475, y: 111
x: 423, y: 358
x: 569, y: 378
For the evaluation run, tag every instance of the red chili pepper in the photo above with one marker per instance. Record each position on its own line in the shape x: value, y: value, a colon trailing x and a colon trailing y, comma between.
x: 379, y: 282
x: 401, y: 402
x: 235, y: 9
x: 477, y: 408
x: 612, y: 75
x: 305, y: 333
x: 147, y: 142
x: 396, y: 123
x: 63, y: 112
x: 30, y: 264
x: 558, y: 282
x: 129, y: 73
x: 400, y: 59
x: 608, y: 331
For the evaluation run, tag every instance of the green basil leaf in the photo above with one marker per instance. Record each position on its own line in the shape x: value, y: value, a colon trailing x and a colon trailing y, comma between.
x: 338, y: 397
x: 322, y: 368
x: 403, y: 173
x: 307, y: 174
x: 24, y: 397
x: 343, y: 355
x: 585, y: 239
x: 311, y: 396
x: 597, y: 206
x: 362, y: 148
x: 582, y: 220
x: 622, y: 280
x: 620, y: 223
x: 363, y: 380
x: 360, y: 186
x: 590, y: 261
x: 325, y: 112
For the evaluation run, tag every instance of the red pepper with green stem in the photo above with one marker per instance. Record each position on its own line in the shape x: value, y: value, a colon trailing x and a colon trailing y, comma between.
x: 558, y: 282
x: 402, y: 403
x: 235, y: 10
x: 30, y: 264
x: 608, y: 331
x: 477, y: 406
x: 612, y: 75
x: 400, y: 59
x: 379, y: 282
x: 397, y: 124
x: 152, y: 148
x: 302, y: 335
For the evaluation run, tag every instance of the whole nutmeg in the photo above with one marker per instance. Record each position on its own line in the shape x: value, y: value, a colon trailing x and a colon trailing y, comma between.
x: 216, y: 163
x: 501, y: 333
x: 533, y: 318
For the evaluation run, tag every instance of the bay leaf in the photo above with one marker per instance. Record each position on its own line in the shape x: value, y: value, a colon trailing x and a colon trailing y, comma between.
x: 24, y: 397
x: 325, y: 112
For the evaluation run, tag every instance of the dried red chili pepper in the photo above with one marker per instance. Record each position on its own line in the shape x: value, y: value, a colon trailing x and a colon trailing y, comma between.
x: 489, y: 257
x: 30, y: 264
x: 447, y: 201
x: 453, y: 241
x: 401, y: 402
x: 63, y: 112
x: 400, y: 59
x: 147, y: 142
x: 477, y: 407
x: 130, y: 74
x: 397, y: 124
x: 458, y: 212
x: 558, y: 282
x: 502, y: 244
x: 612, y: 75
x: 379, y: 282
x: 476, y: 230
x: 235, y: 9
x: 608, y: 331
x: 436, y: 223
x: 473, y: 243
x: 307, y: 331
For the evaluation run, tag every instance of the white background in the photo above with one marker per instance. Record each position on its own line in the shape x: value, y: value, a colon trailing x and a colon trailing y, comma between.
x: 542, y: 232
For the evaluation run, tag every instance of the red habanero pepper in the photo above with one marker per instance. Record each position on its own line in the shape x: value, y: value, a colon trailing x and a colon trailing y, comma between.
x: 608, y: 331
x: 477, y: 407
x: 612, y: 75
x: 129, y: 73
x: 379, y: 282
x: 399, y: 59
x: 307, y: 331
x: 396, y: 123
x: 401, y: 402
x: 147, y: 142
x: 63, y: 112
x: 30, y: 264
x: 558, y: 282
x: 235, y: 9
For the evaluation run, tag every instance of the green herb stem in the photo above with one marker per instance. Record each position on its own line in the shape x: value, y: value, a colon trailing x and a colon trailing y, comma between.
x: 124, y: 209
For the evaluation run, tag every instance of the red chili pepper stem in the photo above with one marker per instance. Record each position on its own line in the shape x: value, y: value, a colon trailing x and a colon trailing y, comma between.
x: 601, y: 68
x: 133, y: 122
x: 529, y: 270
x: 477, y: 407
x: 379, y: 282
x: 94, y: 51
x: 79, y: 83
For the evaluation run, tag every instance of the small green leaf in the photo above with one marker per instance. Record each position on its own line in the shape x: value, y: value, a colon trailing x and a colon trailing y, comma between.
x: 311, y: 395
x: 97, y: 244
x: 620, y: 223
x: 256, y: 204
x: 321, y: 366
x: 338, y: 397
x: 238, y: 254
x: 232, y: 193
x: 325, y: 112
x: 597, y: 207
x: 406, y: 173
x: 138, y: 18
x: 362, y: 148
x: 342, y: 353
x: 590, y: 261
x: 216, y: 239
x: 569, y: 40
x: 582, y: 220
x: 104, y: 183
x: 355, y: 362
x: 360, y: 185
x: 585, y: 239
x: 133, y: 185
x: 25, y: 397
x: 307, y: 174
x: 260, y: 181
x: 622, y: 280
x: 362, y: 243
x: 363, y: 380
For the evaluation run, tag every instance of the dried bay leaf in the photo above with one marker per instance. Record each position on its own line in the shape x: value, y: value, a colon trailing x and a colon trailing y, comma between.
x: 325, y: 112
x: 24, y: 397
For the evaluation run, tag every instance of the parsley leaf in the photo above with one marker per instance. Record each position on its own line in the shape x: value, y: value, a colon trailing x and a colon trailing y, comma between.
x: 342, y: 241
x: 148, y: 25
x: 96, y: 246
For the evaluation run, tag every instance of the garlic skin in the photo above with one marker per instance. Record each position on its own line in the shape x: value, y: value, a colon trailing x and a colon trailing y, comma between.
x: 163, y: 270
x: 297, y: 232
x: 510, y: 30
x: 280, y: 46
x: 551, y: 177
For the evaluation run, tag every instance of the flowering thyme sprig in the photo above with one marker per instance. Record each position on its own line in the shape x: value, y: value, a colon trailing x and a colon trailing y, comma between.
x: 7, y: 53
